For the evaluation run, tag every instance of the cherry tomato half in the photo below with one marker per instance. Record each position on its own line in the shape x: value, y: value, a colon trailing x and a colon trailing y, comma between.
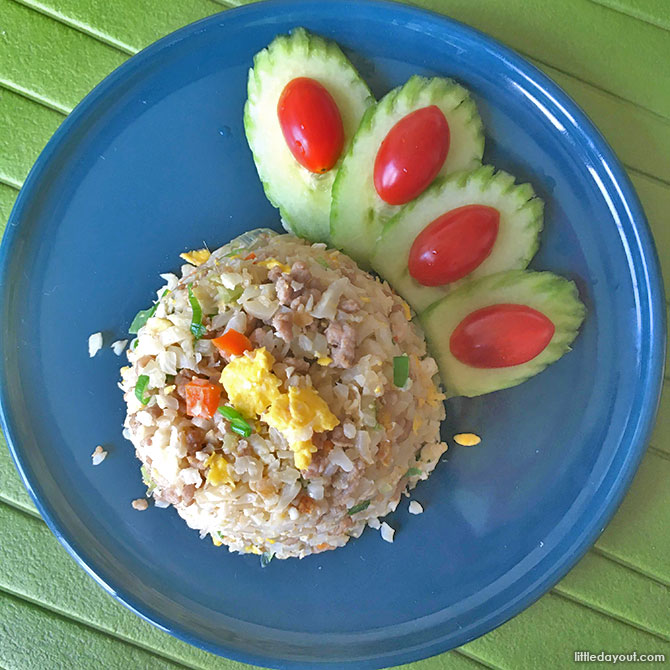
x: 453, y: 245
x: 411, y: 155
x: 501, y: 336
x: 311, y: 124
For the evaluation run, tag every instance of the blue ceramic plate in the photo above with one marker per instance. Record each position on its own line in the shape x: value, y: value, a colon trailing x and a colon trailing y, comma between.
x: 154, y: 162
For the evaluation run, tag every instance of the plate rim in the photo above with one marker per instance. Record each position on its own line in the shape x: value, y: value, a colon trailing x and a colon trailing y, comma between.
x: 646, y: 268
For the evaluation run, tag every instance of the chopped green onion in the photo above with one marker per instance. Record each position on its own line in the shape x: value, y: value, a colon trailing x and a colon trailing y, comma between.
x: 323, y: 263
x: 240, y: 427
x: 146, y: 478
x: 140, y: 387
x: 234, y: 252
x: 141, y: 318
x: 412, y: 472
x: 230, y: 295
x: 230, y: 413
x: 359, y: 507
x: 266, y: 558
x: 197, y: 329
x: 238, y: 423
x: 400, y: 370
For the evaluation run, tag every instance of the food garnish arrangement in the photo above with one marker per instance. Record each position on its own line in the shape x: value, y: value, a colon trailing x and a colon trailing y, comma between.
x: 285, y: 391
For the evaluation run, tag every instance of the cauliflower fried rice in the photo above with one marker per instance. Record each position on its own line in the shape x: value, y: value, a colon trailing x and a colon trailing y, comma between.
x: 303, y: 352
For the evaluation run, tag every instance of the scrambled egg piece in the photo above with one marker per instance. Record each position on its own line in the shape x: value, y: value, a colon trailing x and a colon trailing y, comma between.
x: 324, y: 360
x: 467, y: 439
x: 435, y: 397
x: 253, y: 390
x: 297, y: 414
x: 406, y: 309
x: 196, y: 257
x: 302, y: 453
x: 432, y: 396
x: 250, y: 384
x: 252, y: 550
x: 273, y: 263
x: 218, y: 470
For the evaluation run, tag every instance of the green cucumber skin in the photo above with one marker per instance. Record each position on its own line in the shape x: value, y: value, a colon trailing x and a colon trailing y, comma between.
x: 358, y: 213
x: 554, y: 296
x: 518, y: 239
x: 303, y: 198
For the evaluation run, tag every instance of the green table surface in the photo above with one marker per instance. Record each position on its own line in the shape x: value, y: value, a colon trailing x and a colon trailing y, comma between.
x: 613, y: 58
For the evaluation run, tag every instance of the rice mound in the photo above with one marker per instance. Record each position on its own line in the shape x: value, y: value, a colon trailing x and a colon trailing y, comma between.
x: 328, y: 326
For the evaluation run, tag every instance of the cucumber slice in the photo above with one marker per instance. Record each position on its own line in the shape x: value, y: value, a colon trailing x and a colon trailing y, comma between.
x: 303, y: 198
x: 358, y: 213
x: 557, y: 298
x: 521, y: 216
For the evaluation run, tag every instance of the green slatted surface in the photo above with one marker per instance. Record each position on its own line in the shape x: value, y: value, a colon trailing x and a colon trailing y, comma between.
x: 613, y: 57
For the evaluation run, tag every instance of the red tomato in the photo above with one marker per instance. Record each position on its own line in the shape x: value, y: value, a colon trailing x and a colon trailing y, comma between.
x: 453, y: 245
x: 411, y: 155
x: 311, y: 124
x: 500, y: 336
x: 202, y: 398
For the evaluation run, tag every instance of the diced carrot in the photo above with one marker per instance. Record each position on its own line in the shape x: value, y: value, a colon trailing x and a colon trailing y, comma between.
x: 250, y: 257
x: 202, y: 398
x: 232, y: 343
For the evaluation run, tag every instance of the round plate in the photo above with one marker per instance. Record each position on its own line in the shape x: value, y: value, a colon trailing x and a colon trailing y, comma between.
x: 154, y: 162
